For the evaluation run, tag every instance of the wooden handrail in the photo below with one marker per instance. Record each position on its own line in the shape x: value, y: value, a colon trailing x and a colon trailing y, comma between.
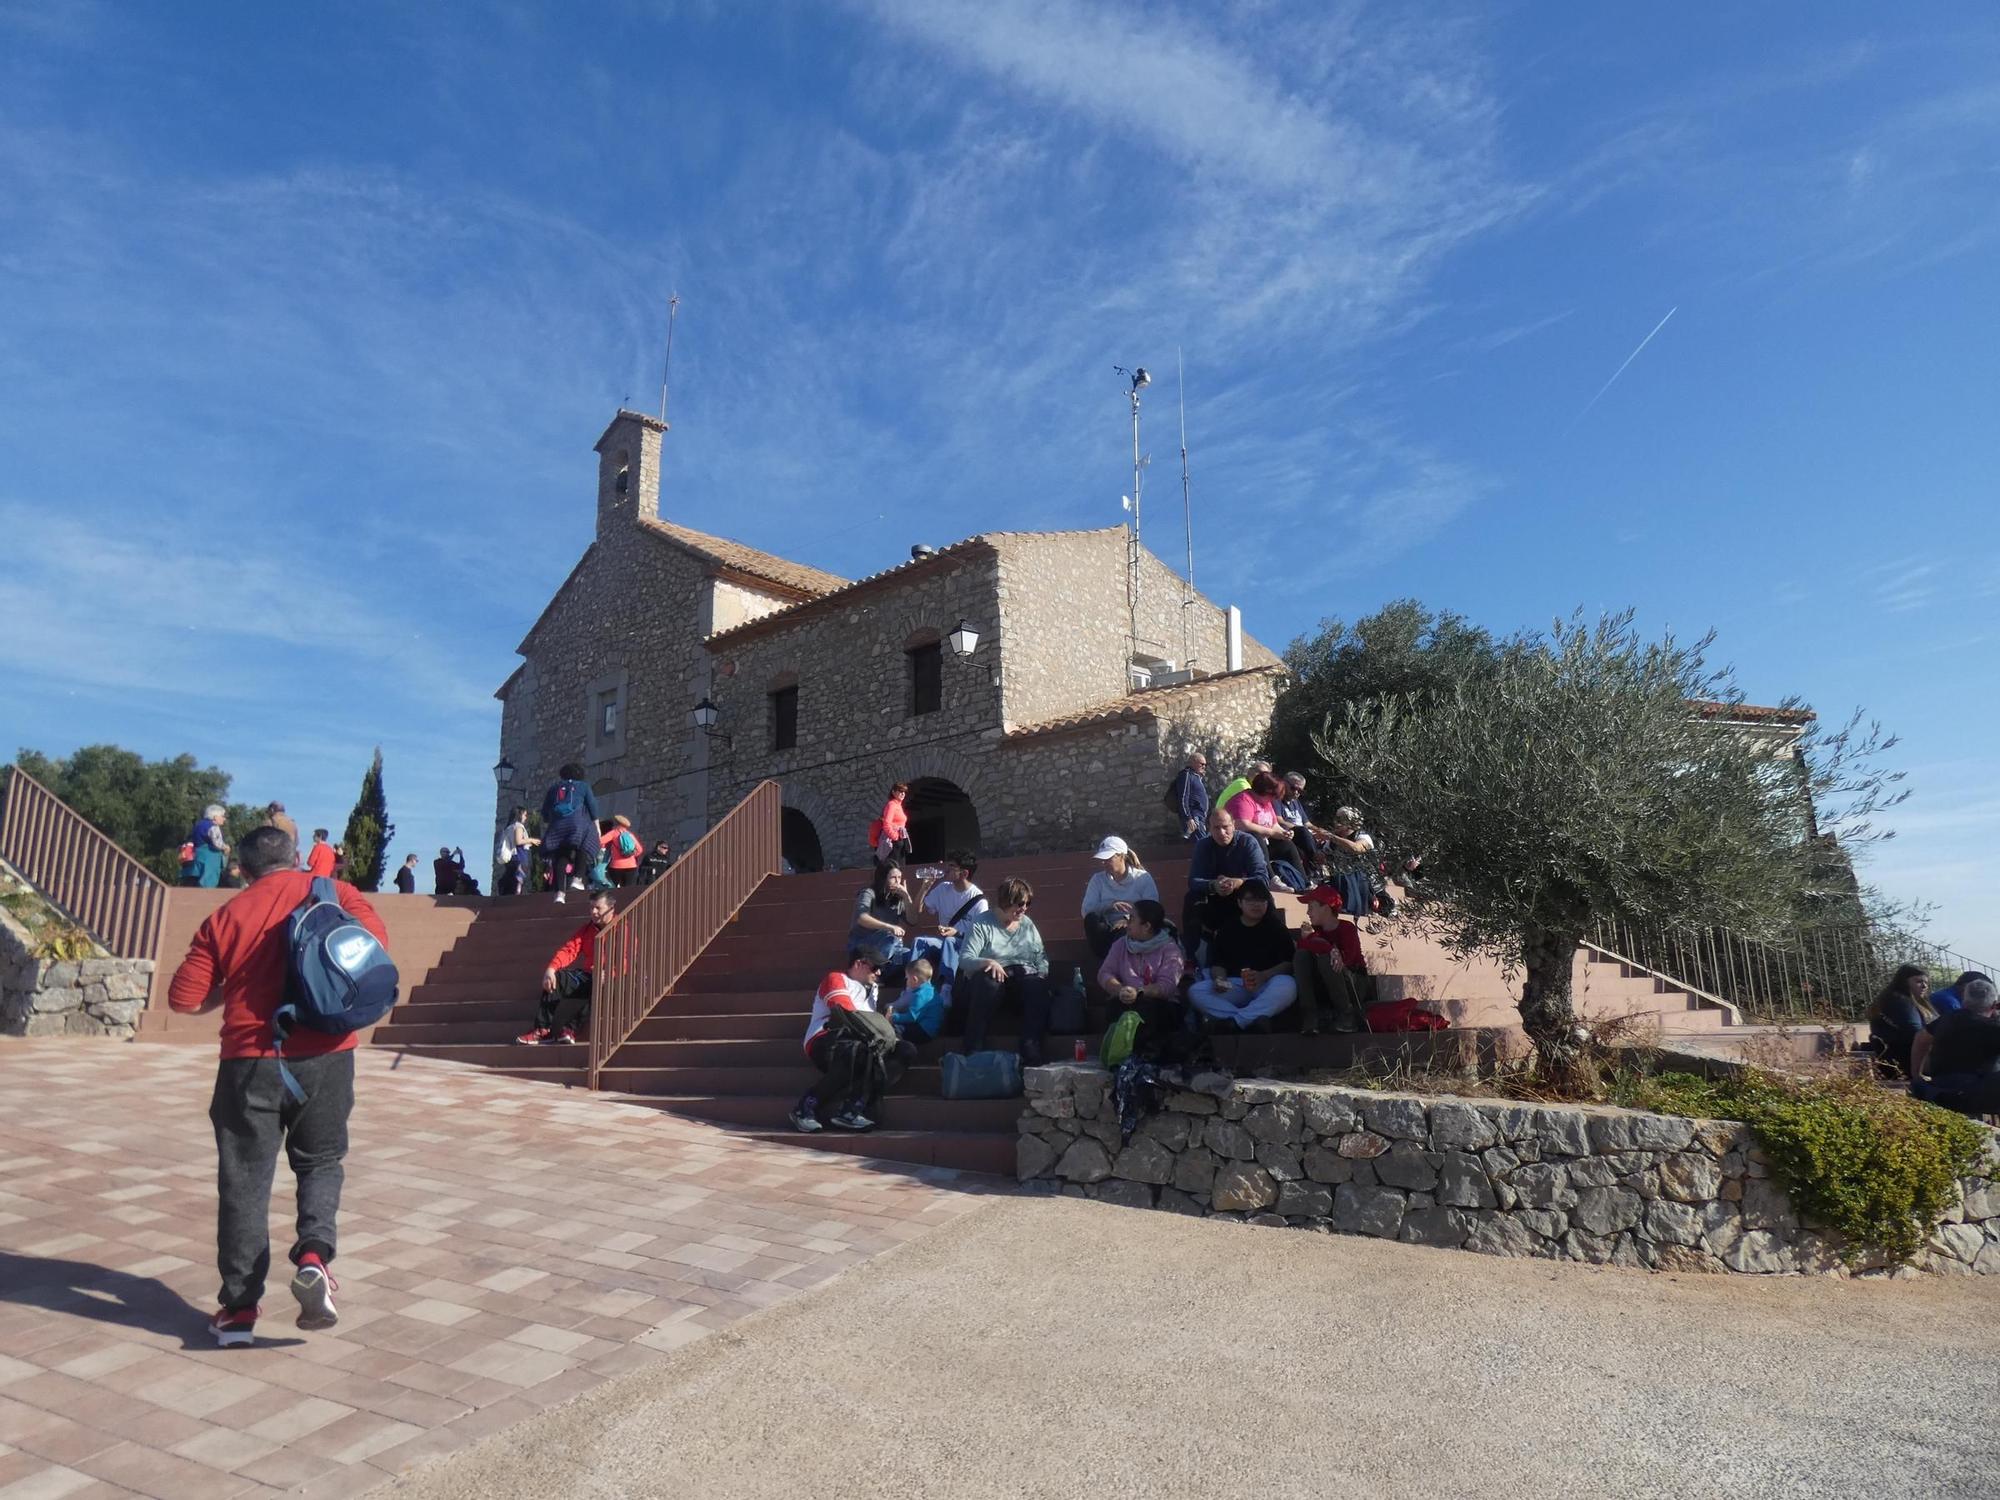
x: 80, y: 871
x: 654, y: 939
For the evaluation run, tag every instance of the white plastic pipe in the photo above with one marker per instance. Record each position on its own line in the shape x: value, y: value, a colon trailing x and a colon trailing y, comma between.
x: 1233, y: 650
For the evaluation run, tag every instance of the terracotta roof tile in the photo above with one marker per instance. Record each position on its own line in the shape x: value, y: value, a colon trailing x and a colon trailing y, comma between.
x: 971, y: 544
x: 720, y: 551
x: 1751, y: 713
x: 1137, y: 706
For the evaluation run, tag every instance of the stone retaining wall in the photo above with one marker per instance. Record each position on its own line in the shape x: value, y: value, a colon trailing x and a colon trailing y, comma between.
x: 1602, y: 1185
x: 67, y: 997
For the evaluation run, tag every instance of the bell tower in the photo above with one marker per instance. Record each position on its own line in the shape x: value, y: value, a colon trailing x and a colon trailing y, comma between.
x: 628, y: 472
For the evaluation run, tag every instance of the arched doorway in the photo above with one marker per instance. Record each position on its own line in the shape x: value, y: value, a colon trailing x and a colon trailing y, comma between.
x: 942, y: 818
x: 798, y: 841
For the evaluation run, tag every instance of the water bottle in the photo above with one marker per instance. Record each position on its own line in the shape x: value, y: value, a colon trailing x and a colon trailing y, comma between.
x: 1076, y: 985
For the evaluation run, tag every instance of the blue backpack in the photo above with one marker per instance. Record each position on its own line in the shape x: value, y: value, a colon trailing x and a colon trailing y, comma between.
x: 567, y: 802
x: 341, y: 978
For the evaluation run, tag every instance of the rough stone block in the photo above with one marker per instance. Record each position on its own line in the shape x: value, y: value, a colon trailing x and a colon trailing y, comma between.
x: 1084, y: 1161
x: 1185, y: 1101
x: 1721, y: 1228
x: 1690, y: 1177
x: 1407, y: 1165
x: 1548, y: 1223
x: 1593, y: 1171
x: 1273, y: 1122
x: 57, y: 1001
x: 127, y: 985
x: 1399, y: 1119
x: 1543, y: 1185
x: 1145, y: 1160
x: 1124, y: 1194
x: 1362, y: 1144
x: 1054, y: 1106
x: 1445, y: 1228
x: 121, y: 1015
x: 1304, y: 1200
x: 1500, y: 1234
x: 1172, y: 1131
x: 1228, y: 1139
x: 1606, y: 1210
x: 1243, y: 1188
x: 1368, y: 1210
x: 1462, y: 1182
x: 1033, y: 1157
x: 1959, y: 1241
x: 62, y: 975
x: 1322, y: 1165
x: 1194, y: 1170
x: 1672, y: 1223
x: 1684, y: 1258
x: 1269, y: 1221
x: 1766, y: 1206
x: 1174, y: 1201
x: 46, y: 1024
x: 1329, y: 1114
x: 1758, y: 1253
x: 1632, y: 1131
x: 1460, y: 1127
x: 1282, y: 1162
x: 1498, y: 1161
x: 1560, y: 1132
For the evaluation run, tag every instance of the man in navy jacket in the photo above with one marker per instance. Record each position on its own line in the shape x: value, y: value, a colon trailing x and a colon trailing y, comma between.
x: 1222, y: 861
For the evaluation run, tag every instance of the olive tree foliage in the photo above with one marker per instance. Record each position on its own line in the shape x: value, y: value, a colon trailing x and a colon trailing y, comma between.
x: 1400, y: 651
x: 1553, y: 780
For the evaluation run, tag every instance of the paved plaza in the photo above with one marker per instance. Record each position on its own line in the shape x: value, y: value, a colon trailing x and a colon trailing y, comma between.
x: 504, y: 1247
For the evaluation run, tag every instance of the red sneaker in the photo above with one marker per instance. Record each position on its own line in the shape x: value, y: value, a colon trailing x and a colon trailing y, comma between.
x: 563, y: 1038
x: 234, y: 1327
x: 314, y: 1287
x: 534, y: 1038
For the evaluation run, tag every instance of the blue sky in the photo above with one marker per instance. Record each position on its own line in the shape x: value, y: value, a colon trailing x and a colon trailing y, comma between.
x: 309, y: 316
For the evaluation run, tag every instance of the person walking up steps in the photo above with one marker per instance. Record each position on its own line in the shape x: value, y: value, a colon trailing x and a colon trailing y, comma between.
x: 569, y: 830
x: 320, y: 859
x: 244, y: 948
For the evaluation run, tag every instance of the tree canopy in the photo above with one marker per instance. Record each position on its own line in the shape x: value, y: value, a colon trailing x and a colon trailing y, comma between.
x: 366, y: 840
x: 145, y: 807
x: 1553, y: 780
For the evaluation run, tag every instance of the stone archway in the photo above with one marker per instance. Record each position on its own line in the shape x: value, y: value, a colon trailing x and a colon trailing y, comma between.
x: 942, y: 818
x: 799, y: 842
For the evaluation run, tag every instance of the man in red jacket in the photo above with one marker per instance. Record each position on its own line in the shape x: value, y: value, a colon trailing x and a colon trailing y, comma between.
x: 243, y: 949
x: 568, y: 977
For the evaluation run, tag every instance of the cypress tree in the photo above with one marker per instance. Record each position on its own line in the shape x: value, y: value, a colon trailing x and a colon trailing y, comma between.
x: 366, y: 841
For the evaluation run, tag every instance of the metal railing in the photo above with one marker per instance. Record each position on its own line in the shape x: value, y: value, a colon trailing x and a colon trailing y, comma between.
x: 653, y: 941
x: 1819, y: 973
x: 79, y: 871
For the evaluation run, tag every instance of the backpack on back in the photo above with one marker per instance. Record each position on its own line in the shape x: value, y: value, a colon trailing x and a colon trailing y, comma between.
x: 567, y: 802
x: 340, y: 977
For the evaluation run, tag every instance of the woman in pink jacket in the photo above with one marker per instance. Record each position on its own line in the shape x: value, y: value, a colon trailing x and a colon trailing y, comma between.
x: 1144, y: 966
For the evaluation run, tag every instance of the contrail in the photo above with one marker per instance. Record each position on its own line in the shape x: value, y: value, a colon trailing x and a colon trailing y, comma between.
x: 1622, y: 368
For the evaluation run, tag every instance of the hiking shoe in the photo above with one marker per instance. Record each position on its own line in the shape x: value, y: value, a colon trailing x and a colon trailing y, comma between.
x: 851, y: 1119
x: 314, y: 1288
x: 563, y: 1038
x: 575, y: 884
x: 234, y: 1327
x: 560, y: 898
x: 532, y: 1038
x: 805, y: 1117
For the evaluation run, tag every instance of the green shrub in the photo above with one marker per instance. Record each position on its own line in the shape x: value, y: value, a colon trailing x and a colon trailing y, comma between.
x: 1877, y: 1166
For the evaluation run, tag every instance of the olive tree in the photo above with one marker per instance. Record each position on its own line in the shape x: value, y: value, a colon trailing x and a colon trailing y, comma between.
x: 1550, y: 781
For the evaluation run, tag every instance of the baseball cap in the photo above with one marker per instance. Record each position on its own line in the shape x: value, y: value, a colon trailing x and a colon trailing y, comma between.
x: 1325, y: 895
x: 1112, y: 845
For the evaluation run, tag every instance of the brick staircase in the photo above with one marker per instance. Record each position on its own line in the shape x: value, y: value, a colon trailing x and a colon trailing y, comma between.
x: 725, y: 1045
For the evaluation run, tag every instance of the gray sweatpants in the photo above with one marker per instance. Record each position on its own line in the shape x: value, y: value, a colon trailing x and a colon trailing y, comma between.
x: 253, y: 1115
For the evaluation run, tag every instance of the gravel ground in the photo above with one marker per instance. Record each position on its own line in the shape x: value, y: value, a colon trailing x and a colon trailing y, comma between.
x: 1050, y: 1346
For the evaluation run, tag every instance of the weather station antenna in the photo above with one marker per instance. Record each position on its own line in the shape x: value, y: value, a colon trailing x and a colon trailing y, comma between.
x: 667, y: 368
x: 1187, y: 521
x: 1139, y: 380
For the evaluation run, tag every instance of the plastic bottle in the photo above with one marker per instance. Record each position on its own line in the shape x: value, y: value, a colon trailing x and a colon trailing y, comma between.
x: 1082, y: 1052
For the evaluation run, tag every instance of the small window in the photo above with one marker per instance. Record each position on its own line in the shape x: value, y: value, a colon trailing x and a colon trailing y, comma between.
x: 607, y: 717
x: 927, y: 678
x: 785, y: 718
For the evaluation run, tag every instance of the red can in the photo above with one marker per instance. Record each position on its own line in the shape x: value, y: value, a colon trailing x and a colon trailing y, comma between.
x: 1082, y: 1052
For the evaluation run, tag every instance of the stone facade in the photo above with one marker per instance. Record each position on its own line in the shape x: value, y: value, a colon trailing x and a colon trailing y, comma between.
x: 67, y: 997
x: 1038, y: 740
x: 1604, y: 1186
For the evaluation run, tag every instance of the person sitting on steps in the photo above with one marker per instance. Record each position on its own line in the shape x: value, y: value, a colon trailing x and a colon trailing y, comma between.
x: 1221, y: 863
x: 1249, y: 965
x: 1001, y: 957
x: 1144, y: 967
x: 919, y: 1015
x: 568, y: 977
x: 850, y: 1079
x: 882, y: 915
x: 1955, y: 1061
x: 1329, y: 967
x: 1107, y: 900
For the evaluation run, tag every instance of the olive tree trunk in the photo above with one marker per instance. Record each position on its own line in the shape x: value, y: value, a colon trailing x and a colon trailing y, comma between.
x: 1547, y: 1014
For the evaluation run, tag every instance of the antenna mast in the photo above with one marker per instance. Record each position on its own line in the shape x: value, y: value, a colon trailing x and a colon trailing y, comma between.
x: 1187, y: 520
x: 1140, y: 379
x: 667, y: 369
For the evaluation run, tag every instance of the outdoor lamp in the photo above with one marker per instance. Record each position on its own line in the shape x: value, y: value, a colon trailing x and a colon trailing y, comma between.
x: 504, y: 772
x: 704, y: 715
x: 964, y: 640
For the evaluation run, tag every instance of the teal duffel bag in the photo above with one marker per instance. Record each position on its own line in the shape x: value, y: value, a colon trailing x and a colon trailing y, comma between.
x: 981, y: 1075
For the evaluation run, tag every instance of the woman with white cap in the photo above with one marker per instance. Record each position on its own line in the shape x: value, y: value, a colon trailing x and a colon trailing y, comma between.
x: 1107, y: 900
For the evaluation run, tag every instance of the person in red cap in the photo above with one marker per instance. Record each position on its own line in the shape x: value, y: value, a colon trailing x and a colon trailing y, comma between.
x: 1328, y: 966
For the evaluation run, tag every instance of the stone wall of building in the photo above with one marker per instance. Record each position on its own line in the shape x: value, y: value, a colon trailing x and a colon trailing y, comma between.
x: 1601, y: 1185
x: 67, y: 997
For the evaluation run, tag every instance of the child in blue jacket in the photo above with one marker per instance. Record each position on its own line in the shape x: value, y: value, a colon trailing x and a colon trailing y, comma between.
x: 919, y: 1015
